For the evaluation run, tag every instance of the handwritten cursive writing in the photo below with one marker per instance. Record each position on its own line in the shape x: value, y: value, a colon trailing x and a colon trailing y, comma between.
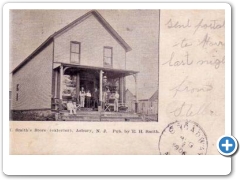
x: 207, y: 42
x: 213, y: 24
x: 177, y: 24
x: 190, y: 110
x: 183, y: 87
x: 215, y: 62
x: 183, y: 62
x: 183, y: 44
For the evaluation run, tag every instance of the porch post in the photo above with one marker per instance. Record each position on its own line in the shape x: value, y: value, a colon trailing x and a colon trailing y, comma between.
x: 61, y: 82
x: 55, y: 83
x: 136, y: 92
x: 121, y: 89
x: 78, y: 86
x: 61, y: 87
x: 100, y: 89
x: 124, y: 89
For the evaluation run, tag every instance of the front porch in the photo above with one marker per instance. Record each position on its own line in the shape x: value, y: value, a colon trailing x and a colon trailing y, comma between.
x: 68, y: 78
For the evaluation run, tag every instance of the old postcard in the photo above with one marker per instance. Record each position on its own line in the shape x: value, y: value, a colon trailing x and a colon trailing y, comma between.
x: 91, y: 80
x: 116, y: 81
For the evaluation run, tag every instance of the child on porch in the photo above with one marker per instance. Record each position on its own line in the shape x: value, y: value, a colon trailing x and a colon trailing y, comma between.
x: 72, y: 107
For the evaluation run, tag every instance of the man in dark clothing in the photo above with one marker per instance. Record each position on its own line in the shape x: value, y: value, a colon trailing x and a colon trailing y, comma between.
x: 95, y: 98
x: 74, y: 95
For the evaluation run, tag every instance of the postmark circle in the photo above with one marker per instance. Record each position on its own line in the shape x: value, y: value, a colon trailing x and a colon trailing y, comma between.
x: 183, y: 138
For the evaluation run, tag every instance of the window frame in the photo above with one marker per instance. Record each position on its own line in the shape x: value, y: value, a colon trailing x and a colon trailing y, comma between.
x: 111, y: 48
x: 17, y: 87
x: 17, y: 90
x: 71, y: 52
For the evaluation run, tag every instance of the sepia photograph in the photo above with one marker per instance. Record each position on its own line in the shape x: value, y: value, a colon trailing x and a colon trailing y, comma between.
x: 84, y: 65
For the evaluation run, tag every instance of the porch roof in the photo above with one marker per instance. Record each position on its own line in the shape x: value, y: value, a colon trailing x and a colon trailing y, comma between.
x: 118, y: 71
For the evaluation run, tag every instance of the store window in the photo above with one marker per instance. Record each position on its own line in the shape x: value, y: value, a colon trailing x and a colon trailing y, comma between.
x: 107, y: 56
x: 75, y: 50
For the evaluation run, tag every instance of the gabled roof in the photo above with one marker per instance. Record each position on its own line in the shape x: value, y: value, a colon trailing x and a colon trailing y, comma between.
x: 154, y: 96
x: 97, y: 15
x: 127, y: 90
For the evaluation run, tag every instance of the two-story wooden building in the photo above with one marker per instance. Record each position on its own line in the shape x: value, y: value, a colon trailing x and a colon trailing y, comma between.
x: 82, y: 54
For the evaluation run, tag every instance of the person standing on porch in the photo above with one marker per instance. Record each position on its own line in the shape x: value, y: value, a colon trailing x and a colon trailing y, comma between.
x: 74, y: 95
x: 95, y: 97
x: 104, y: 99
x: 116, y: 98
x: 82, y: 97
x: 108, y: 95
x: 88, y: 96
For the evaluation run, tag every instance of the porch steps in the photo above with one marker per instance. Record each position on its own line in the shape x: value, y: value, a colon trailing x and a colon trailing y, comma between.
x: 96, y: 116
x: 86, y: 109
x: 119, y: 116
x: 80, y: 118
x: 114, y: 119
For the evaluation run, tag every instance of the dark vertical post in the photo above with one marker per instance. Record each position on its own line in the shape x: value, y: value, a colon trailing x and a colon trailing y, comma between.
x: 55, y: 83
x: 78, y: 86
x: 124, y: 89
x: 100, y: 90
x: 121, y: 89
x: 61, y: 88
x: 136, y: 92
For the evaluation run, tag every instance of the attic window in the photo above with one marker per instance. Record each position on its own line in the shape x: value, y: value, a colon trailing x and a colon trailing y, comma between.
x: 75, y: 52
x: 107, y: 56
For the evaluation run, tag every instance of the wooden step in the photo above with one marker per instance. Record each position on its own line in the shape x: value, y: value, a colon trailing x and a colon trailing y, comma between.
x: 114, y: 119
x: 80, y: 118
x: 96, y: 116
x: 117, y: 114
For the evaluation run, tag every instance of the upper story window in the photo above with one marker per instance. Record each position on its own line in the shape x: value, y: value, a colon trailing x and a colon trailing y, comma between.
x: 75, y: 50
x: 107, y: 56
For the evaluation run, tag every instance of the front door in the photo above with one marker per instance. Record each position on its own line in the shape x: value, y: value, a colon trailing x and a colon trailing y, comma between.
x: 88, y: 85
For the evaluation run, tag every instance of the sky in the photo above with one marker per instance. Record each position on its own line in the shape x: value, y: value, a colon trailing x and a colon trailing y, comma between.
x: 139, y: 28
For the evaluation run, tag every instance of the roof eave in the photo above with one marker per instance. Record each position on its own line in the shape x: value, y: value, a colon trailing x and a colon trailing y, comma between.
x: 99, y: 68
